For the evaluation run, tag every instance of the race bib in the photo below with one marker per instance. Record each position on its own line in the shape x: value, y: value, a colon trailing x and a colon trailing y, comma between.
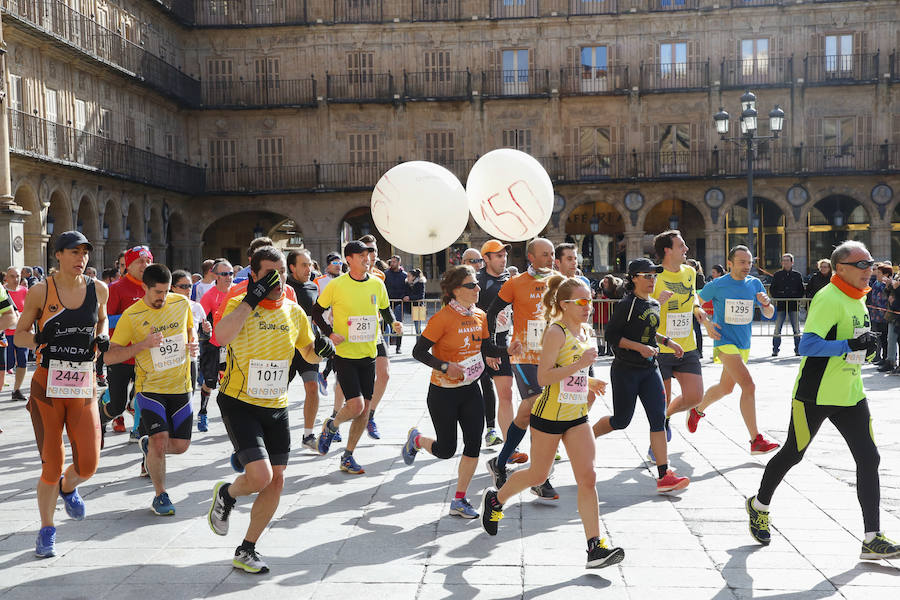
x: 857, y: 357
x: 472, y: 368
x: 223, y: 354
x: 738, y: 312
x: 534, y: 333
x: 362, y: 329
x: 171, y: 352
x: 574, y: 388
x: 268, y: 378
x: 504, y: 320
x: 679, y: 325
x: 70, y: 380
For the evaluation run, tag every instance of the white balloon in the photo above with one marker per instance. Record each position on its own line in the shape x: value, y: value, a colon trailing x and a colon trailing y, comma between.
x: 420, y: 207
x: 510, y: 195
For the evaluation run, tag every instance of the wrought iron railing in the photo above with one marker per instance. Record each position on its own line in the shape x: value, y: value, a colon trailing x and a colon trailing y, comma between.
x: 584, y: 80
x: 437, y: 85
x: 360, y: 87
x: 674, y: 76
x: 257, y: 94
x: 515, y: 83
x: 436, y: 10
x: 757, y: 72
x: 515, y: 9
x: 848, y: 68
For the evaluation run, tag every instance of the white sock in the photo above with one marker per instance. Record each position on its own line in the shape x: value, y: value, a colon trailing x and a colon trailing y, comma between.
x: 759, y: 505
x: 870, y: 535
x: 307, y: 431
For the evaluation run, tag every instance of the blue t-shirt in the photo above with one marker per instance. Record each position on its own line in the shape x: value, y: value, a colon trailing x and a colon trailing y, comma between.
x: 733, y: 303
x: 242, y: 275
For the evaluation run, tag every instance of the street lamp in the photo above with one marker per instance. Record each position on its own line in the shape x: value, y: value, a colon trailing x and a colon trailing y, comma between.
x: 749, y: 139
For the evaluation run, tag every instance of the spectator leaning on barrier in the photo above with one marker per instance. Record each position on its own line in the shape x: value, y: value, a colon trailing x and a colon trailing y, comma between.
x: 395, y: 282
x: 786, y: 283
x: 878, y: 305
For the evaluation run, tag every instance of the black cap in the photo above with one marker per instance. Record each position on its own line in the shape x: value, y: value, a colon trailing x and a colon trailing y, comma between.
x: 332, y: 256
x: 643, y: 265
x: 355, y: 247
x: 72, y: 239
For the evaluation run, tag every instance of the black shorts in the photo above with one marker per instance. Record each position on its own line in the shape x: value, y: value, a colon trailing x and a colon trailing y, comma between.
x: 169, y: 413
x: 209, y: 364
x: 555, y: 427
x: 307, y: 371
x: 505, y: 369
x: 256, y: 432
x: 356, y: 376
x: 381, y: 349
x: 526, y: 380
x: 688, y: 363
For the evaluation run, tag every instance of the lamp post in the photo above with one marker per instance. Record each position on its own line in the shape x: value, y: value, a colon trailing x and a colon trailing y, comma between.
x: 749, y: 139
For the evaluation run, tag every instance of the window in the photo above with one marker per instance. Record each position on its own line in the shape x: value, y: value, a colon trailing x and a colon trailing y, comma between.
x: 223, y: 161
x: 363, y: 148
x: 515, y: 72
x: 52, y: 117
x: 674, y: 147
x: 754, y: 57
x: 594, y: 150
x: 593, y: 69
x: 106, y: 124
x: 80, y: 115
x: 519, y: 139
x: 838, y: 134
x: 361, y: 67
x: 219, y: 69
x: 439, y: 147
x: 16, y: 94
x: 838, y: 53
x: 129, y: 131
x: 270, y: 160
x: 673, y: 59
x: 437, y: 66
x: 150, y: 141
x: 169, y: 141
x: 264, y: 10
x: 268, y: 78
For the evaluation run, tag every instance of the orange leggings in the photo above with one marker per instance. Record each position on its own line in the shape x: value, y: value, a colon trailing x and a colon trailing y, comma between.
x: 81, y: 420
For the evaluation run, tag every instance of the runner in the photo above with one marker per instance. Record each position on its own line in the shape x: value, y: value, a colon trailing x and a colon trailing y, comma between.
x: 382, y: 362
x: 333, y: 266
x: 356, y: 298
x: 207, y: 280
x: 632, y: 334
x: 733, y: 297
x: 524, y: 292
x: 242, y: 274
x: 566, y: 262
x: 836, y: 341
x: 13, y: 357
x: 459, y: 336
x: 212, y: 355
x: 181, y: 284
x: 566, y: 352
x: 261, y: 330
x: 158, y: 333
x: 69, y: 312
x: 490, y: 279
x: 8, y: 319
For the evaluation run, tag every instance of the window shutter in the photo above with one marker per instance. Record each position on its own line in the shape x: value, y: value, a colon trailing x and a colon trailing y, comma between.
x: 814, y: 133
x: 860, y: 42
x: 818, y: 44
x: 698, y: 138
x: 864, y: 130
x: 570, y: 141
x: 693, y: 51
x: 494, y: 60
x: 895, y: 129
x: 530, y: 60
x: 574, y: 59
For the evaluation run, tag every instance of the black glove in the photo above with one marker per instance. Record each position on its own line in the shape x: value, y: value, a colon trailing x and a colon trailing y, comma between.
x: 324, y: 347
x: 489, y: 348
x: 867, y: 341
x: 44, y: 335
x: 259, y: 289
x: 101, y: 342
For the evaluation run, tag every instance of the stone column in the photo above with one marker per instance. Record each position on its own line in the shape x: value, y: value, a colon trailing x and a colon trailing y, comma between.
x: 796, y: 243
x: 634, y: 245
x: 881, y: 241
x: 98, y: 255
x: 12, y: 216
x: 716, y: 252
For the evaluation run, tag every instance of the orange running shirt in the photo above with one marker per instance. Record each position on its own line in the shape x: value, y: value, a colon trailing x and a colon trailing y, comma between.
x: 456, y: 338
x: 377, y: 273
x: 525, y: 293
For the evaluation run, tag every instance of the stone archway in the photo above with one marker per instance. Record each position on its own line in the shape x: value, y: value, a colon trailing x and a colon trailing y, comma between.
x: 597, y: 228
x: 769, y: 227
x: 87, y: 223
x: 835, y: 219
x: 59, y: 219
x: 229, y: 236
x: 674, y: 213
x: 35, y: 244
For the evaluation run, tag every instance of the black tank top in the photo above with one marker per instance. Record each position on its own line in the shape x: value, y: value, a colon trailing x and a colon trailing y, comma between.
x: 72, y: 328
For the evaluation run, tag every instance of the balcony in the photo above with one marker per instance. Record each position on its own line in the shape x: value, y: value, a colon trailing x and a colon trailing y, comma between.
x: 748, y: 3
x: 518, y: 83
x: 757, y: 72
x: 363, y: 87
x: 593, y: 7
x: 436, y: 10
x: 72, y: 29
x: 587, y: 81
x: 515, y: 9
x: 39, y: 138
x: 236, y: 13
x: 437, y: 85
x: 674, y: 77
x: 672, y: 5
x: 181, y: 10
x: 358, y: 11
x: 840, y: 69
x: 260, y: 94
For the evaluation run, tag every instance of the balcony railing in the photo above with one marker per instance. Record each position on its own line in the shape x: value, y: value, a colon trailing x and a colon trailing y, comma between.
x: 515, y: 9
x: 182, y: 10
x: 363, y: 87
x: 225, y: 13
x: 436, y: 10
x: 257, y: 94
x: 74, y: 29
x: 517, y: 83
x: 358, y: 11
x: 34, y: 136
x: 666, y: 5
x: 587, y: 81
x: 740, y: 3
x: 437, y: 85
x: 757, y: 72
x: 682, y: 76
x: 841, y: 68
x: 593, y: 7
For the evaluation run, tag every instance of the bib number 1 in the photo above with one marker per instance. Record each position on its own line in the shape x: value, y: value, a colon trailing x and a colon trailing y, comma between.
x: 679, y: 325
x: 171, y: 352
x: 534, y: 334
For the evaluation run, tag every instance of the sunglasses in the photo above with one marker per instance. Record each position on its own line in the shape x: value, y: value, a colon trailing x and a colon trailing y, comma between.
x: 225, y: 273
x: 860, y: 264
x: 650, y: 276
x: 335, y: 262
x: 469, y: 286
x: 474, y: 261
x: 579, y: 301
x: 182, y: 286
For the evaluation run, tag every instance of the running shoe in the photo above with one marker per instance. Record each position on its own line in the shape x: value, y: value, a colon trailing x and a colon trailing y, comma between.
x: 759, y: 523
x: 202, y: 423
x: 545, y: 493
x: 144, y: 445
x: 668, y: 430
x: 651, y: 458
x: 219, y: 511
x: 119, y: 424
x: 162, y: 506
x: 101, y: 381
x: 491, y: 511
x: 409, y: 450
x: 693, y: 419
x: 143, y: 472
x: 309, y: 442
x: 337, y: 437
x: 249, y: 561
x: 492, y: 438
x: 17, y: 395
x: 134, y: 437
x: 497, y: 474
x: 323, y: 384
x: 880, y: 547
x: 74, y: 503
x: 372, y: 430
x: 349, y: 465
x: 236, y: 463
x: 518, y: 457
x: 327, y: 436
x: 761, y: 445
x: 460, y: 507
x: 671, y: 482
x: 46, y: 540
x: 602, y: 555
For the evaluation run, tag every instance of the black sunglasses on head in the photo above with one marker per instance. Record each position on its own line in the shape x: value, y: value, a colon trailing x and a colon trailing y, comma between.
x: 860, y: 264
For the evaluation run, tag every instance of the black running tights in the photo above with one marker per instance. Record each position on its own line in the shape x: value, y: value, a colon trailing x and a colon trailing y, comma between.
x: 449, y: 406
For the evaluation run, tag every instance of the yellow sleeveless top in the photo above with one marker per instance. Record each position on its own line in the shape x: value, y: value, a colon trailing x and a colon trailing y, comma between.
x: 566, y: 400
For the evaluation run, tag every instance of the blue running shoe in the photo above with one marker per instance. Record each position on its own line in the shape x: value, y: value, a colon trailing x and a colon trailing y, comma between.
x: 668, y: 430
x: 460, y: 507
x: 650, y: 456
x: 74, y: 503
x: 236, y: 464
x: 349, y: 465
x: 162, y: 506
x: 202, y: 423
x: 372, y: 430
x: 323, y: 385
x: 409, y: 448
x: 46, y: 540
x: 337, y: 437
x: 327, y: 436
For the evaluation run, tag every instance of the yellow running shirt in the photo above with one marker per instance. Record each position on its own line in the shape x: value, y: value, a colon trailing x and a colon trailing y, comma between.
x: 566, y: 400
x: 676, y: 316
x: 355, y: 305
x: 256, y: 370
x: 166, y: 369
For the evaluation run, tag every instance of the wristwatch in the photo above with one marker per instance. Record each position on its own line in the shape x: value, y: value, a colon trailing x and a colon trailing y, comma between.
x: 444, y: 367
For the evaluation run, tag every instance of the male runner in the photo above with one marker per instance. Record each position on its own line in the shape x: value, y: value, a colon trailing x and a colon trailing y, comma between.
x: 261, y: 330
x: 382, y: 362
x: 356, y: 299
x: 525, y: 293
x: 207, y: 280
x: 566, y: 262
x: 835, y: 343
x: 158, y: 333
x: 212, y: 355
x: 733, y: 296
x: 333, y: 265
x: 241, y: 275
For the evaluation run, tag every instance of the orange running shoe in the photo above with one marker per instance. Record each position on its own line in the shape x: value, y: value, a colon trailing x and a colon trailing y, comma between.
x: 119, y: 424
